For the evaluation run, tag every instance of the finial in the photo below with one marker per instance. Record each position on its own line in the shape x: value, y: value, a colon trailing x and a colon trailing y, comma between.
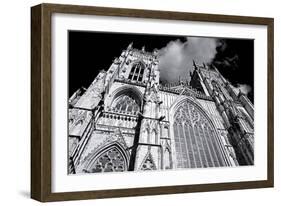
x: 155, y: 52
x: 194, y: 64
x: 130, y: 46
x: 116, y: 60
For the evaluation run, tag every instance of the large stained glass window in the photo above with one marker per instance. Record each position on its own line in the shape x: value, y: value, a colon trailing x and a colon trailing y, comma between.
x: 196, y: 142
x: 126, y: 104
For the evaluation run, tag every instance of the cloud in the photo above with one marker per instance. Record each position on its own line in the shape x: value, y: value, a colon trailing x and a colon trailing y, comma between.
x: 222, y: 45
x: 244, y: 88
x: 176, y: 59
x: 228, y: 62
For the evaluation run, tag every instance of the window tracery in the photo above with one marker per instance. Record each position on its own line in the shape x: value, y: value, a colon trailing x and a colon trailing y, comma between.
x: 137, y: 71
x: 110, y: 160
x: 196, y: 142
x: 125, y: 104
x: 148, y: 163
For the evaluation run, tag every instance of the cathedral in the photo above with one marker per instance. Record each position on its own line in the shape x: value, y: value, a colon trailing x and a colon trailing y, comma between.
x: 127, y: 120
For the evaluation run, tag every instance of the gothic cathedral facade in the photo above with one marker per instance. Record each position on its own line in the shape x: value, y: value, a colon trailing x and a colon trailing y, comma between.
x: 126, y: 120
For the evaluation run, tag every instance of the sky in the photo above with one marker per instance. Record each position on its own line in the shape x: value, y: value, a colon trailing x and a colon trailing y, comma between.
x: 90, y: 52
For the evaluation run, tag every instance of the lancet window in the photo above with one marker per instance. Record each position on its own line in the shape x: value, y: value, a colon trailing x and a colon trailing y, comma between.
x: 137, y: 71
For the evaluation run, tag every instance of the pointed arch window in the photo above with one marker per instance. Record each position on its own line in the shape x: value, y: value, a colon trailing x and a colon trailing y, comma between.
x: 167, y: 159
x: 111, y: 160
x: 137, y: 71
x: 125, y: 104
x: 196, y: 142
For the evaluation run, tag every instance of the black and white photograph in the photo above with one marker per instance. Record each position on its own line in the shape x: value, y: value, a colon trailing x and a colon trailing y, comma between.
x: 139, y: 102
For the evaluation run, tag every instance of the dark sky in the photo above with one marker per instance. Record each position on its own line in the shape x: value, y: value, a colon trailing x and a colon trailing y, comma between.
x: 90, y: 52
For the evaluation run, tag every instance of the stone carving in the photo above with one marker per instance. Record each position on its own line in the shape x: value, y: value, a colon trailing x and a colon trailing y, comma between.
x: 148, y: 163
x: 110, y: 139
x: 110, y: 160
x: 125, y: 104
x: 131, y: 126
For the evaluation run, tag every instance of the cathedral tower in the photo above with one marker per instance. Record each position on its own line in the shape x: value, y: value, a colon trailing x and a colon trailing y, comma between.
x: 127, y: 121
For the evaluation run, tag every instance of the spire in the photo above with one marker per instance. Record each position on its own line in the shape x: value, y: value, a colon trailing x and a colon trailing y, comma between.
x: 194, y: 64
x: 130, y: 46
x: 143, y: 49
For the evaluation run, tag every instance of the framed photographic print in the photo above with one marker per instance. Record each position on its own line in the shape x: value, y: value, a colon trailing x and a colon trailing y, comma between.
x: 132, y: 102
